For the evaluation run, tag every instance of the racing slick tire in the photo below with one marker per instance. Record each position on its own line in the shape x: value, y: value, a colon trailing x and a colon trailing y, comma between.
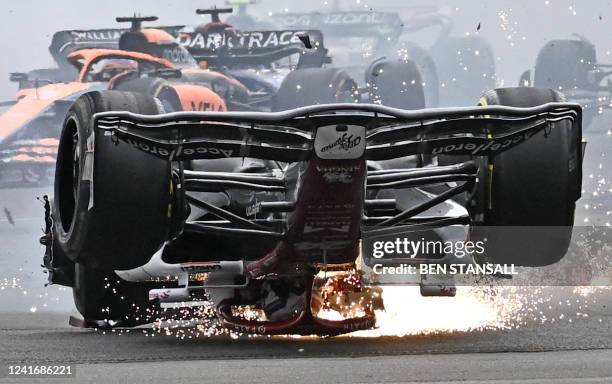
x: 429, y: 73
x: 396, y: 83
x: 532, y: 188
x: 565, y: 65
x: 466, y: 69
x: 101, y: 296
x: 120, y: 218
x: 155, y: 87
x: 311, y: 86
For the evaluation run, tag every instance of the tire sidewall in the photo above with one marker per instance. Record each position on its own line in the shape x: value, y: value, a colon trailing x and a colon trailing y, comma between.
x: 129, y: 218
x: 70, y: 240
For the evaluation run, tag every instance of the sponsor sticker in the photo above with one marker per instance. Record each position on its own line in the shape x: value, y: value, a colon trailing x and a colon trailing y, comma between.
x: 253, y: 210
x: 201, y: 267
x: 334, y: 19
x: 338, y: 174
x: 360, y: 18
x: 195, y: 151
x: 240, y: 40
x: 340, y: 141
x: 177, y: 55
x: 97, y: 35
x: 337, y: 177
x: 478, y: 148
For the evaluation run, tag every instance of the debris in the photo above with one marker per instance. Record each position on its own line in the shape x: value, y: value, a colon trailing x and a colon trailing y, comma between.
x: 48, y: 222
x: 9, y: 216
x: 305, y: 39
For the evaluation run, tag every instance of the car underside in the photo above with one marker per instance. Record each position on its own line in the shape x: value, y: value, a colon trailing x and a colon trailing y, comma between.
x: 266, y: 215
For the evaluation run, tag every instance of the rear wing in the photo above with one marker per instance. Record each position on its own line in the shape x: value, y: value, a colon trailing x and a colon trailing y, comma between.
x: 232, y: 48
x: 373, y: 131
x: 65, y: 42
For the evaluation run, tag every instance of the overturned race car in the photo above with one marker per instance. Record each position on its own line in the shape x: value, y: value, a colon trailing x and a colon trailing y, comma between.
x: 268, y: 210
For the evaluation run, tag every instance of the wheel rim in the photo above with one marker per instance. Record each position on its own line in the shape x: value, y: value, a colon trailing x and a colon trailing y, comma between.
x: 67, y: 175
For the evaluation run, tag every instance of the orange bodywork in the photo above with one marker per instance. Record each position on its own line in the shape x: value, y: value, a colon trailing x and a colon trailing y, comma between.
x: 212, y: 75
x: 192, y: 97
x: 85, y: 57
x: 154, y: 35
x: 198, y: 98
x: 33, y: 101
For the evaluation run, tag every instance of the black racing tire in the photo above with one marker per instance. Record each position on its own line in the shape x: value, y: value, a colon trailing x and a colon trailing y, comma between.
x: 155, y: 87
x: 101, y: 295
x: 311, y: 86
x: 396, y: 83
x: 466, y: 69
x: 564, y: 64
x: 532, y: 189
x: 128, y: 220
x: 427, y: 67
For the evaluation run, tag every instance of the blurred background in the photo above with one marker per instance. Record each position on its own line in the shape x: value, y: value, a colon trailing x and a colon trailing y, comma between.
x: 517, y: 29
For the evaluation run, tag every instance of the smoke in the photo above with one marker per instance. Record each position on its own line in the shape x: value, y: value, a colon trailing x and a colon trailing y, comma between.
x: 515, y: 29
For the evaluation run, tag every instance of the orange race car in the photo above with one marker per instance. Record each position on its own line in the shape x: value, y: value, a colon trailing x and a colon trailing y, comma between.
x: 178, y: 67
x: 31, y: 124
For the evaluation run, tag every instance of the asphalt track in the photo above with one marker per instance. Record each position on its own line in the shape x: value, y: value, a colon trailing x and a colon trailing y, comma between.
x: 562, y: 335
x: 579, y: 351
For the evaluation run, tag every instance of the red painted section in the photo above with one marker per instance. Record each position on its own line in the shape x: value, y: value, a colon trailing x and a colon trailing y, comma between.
x: 253, y: 326
x: 329, y: 211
